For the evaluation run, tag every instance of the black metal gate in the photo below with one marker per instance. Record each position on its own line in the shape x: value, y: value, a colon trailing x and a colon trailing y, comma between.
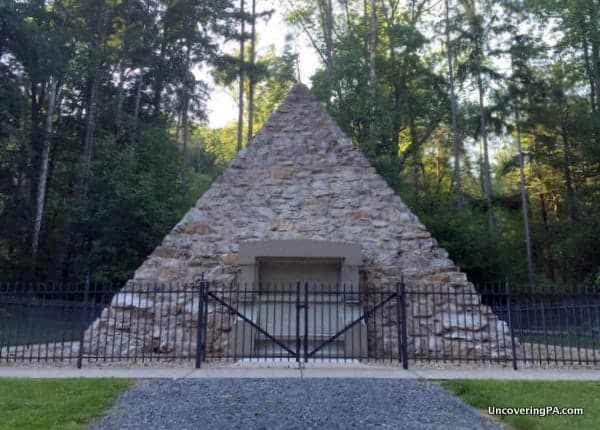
x: 300, y: 322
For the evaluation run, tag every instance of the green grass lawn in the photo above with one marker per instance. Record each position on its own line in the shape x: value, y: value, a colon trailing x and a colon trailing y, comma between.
x: 20, y: 327
x: 484, y: 393
x: 581, y: 340
x: 40, y: 404
x: 20, y: 331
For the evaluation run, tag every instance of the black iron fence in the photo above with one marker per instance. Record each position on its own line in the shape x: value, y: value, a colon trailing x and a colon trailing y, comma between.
x: 549, y: 325
x: 98, y: 322
x: 301, y: 322
x: 88, y: 322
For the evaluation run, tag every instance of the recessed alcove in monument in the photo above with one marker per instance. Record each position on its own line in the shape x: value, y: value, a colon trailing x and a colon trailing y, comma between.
x: 305, y: 289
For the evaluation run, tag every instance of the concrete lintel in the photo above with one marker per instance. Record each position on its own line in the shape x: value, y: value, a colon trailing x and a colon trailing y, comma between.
x: 300, y: 248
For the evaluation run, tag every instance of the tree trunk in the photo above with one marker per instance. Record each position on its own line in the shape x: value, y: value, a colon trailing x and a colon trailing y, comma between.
x: 43, y: 175
x: 88, y: 139
x: 178, y: 128
x: 327, y: 24
x: 241, y: 80
x: 37, y: 97
x: 187, y: 90
x: 120, y: 99
x: 571, y: 201
x: 252, y: 75
x: 373, y: 55
x: 329, y: 34
x: 547, y: 239
x: 454, y: 122
x: 486, y: 175
x: 595, y: 42
x: 570, y: 193
x: 159, y: 79
x: 589, y: 72
x: 596, y: 61
x: 184, y: 133
x: 136, y: 108
x: 415, y: 153
x: 524, y: 200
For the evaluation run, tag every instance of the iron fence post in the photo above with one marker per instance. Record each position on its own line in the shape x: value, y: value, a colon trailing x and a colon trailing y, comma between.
x: 305, y: 322
x: 84, y: 308
x: 29, y: 339
x: 401, y: 323
x: 205, y: 320
x: 200, y: 326
x: 510, y: 325
x: 298, y: 306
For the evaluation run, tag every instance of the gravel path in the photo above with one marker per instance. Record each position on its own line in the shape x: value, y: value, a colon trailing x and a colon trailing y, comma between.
x: 289, y: 404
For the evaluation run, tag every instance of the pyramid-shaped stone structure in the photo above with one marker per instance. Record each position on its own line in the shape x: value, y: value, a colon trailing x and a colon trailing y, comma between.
x: 301, y: 177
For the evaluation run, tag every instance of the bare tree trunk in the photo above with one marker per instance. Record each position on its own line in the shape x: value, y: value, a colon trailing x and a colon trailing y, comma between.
x: 415, y: 153
x: 329, y: 34
x: 595, y: 42
x: 159, y: 79
x: 252, y: 75
x: 136, y: 107
x: 326, y: 8
x: 241, y: 79
x: 570, y: 192
x: 590, y: 72
x: 486, y: 174
x: 373, y: 55
x: 188, y: 87
x: 37, y: 99
x: 184, y: 133
x: 178, y: 128
x: 347, y: 13
x: 88, y: 141
x: 571, y: 201
x: 43, y: 176
x: 547, y: 239
x: 524, y: 200
x: 120, y: 99
x: 454, y: 122
x: 366, y: 23
x: 596, y: 62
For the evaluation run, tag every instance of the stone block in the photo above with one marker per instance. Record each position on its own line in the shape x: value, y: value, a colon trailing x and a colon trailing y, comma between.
x: 228, y: 259
x: 282, y: 172
x: 199, y: 228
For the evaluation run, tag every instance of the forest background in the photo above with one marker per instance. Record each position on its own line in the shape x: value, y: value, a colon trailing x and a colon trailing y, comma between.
x: 483, y: 115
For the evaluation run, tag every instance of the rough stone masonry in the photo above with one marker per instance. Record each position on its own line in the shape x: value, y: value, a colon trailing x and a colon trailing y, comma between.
x: 302, y: 178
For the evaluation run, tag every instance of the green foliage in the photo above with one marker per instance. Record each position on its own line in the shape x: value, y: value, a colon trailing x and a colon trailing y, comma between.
x: 122, y: 170
x: 137, y: 197
x: 133, y: 207
x: 117, y: 180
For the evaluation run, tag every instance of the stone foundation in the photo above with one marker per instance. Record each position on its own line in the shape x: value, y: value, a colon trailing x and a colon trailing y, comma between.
x: 441, y: 325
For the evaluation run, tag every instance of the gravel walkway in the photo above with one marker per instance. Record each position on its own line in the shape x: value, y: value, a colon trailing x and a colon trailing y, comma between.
x: 289, y: 404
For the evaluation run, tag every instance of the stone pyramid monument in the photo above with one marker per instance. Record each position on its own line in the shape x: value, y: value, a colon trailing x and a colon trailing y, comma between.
x: 302, y: 189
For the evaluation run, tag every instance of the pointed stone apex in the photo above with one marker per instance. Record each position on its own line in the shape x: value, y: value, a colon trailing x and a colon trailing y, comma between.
x: 299, y: 92
x: 300, y: 112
